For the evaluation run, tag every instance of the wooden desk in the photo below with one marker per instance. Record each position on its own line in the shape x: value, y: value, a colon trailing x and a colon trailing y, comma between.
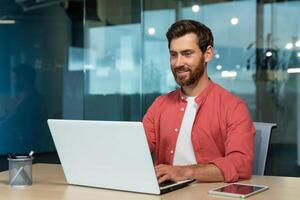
x: 49, y: 183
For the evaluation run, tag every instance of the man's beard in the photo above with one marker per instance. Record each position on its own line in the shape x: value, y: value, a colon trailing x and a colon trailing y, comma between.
x: 194, y: 76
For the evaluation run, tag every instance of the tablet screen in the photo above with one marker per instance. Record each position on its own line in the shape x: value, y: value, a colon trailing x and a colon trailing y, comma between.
x: 236, y: 188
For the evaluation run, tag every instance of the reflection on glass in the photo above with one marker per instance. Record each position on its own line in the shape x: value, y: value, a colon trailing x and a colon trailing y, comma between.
x: 24, y: 121
x: 112, y: 62
x: 156, y: 67
x: 37, y: 33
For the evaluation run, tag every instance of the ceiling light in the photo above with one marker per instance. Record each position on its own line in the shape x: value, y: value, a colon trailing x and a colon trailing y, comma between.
x: 298, y: 54
x: 293, y: 70
x: 195, y: 8
x: 269, y: 54
x: 228, y: 74
x: 151, y: 31
x: 219, y: 67
x: 289, y: 45
x: 6, y: 21
x: 217, y: 56
x: 234, y: 21
x: 297, y: 44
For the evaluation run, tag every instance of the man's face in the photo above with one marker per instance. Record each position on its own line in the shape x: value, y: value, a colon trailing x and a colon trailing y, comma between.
x: 187, y: 60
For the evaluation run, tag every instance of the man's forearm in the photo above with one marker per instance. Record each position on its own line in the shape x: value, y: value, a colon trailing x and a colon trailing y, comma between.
x: 204, y: 173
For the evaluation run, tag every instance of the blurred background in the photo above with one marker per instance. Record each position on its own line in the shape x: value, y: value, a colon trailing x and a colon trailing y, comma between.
x: 108, y: 60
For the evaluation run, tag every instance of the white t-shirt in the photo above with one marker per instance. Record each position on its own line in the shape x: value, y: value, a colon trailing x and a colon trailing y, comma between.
x: 184, y: 152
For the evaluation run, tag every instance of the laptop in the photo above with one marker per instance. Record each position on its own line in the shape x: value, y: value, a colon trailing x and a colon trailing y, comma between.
x: 107, y: 154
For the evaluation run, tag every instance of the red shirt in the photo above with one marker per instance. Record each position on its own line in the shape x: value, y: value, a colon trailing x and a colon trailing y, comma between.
x: 222, y: 133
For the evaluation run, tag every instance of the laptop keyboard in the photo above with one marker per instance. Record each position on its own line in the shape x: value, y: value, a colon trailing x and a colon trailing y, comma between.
x: 166, y: 183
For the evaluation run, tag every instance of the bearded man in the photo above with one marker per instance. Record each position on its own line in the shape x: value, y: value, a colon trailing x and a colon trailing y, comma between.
x: 200, y: 131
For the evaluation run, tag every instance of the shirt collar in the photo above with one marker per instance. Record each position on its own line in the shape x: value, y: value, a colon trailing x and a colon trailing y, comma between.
x: 202, y: 96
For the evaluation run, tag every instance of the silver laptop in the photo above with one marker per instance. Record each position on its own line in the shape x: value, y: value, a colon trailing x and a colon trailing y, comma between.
x: 105, y: 154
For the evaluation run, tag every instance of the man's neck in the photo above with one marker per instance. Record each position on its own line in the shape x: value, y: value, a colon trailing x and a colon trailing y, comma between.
x: 196, y: 88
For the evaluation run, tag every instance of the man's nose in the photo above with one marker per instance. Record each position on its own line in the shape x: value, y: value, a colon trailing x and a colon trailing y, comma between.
x: 179, y: 61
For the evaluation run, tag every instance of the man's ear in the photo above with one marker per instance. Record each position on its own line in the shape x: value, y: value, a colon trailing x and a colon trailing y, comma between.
x: 209, y: 53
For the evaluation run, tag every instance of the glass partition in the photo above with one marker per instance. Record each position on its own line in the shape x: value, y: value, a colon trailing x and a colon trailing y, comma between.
x: 38, y: 40
x: 113, y: 64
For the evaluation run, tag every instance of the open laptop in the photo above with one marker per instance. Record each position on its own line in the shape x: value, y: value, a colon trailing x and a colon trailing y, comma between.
x: 106, y: 154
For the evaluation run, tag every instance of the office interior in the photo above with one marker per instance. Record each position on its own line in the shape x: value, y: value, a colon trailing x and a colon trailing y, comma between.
x: 109, y: 59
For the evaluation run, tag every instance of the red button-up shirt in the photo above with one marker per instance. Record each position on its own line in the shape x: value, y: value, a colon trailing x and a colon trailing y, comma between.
x: 222, y: 133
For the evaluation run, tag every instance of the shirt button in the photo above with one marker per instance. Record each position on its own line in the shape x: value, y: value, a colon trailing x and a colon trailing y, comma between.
x: 171, y: 151
x: 182, y: 109
x: 176, y: 129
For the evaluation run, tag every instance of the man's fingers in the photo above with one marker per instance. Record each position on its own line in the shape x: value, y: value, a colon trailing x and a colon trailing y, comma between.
x: 160, y: 166
x: 163, y: 178
x: 161, y: 170
x: 160, y: 173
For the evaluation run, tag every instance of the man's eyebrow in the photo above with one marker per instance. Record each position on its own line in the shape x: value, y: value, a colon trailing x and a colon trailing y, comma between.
x: 187, y: 50
x: 183, y: 51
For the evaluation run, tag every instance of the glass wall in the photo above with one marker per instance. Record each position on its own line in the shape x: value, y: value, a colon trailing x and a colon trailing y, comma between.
x: 108, y: 60
x: 113, y: 64
x: 37, y: 39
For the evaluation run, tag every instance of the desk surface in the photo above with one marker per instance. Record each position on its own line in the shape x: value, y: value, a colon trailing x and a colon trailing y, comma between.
x: 49, y: 183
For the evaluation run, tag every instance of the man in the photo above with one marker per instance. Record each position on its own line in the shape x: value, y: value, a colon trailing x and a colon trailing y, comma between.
x: 200, y: 131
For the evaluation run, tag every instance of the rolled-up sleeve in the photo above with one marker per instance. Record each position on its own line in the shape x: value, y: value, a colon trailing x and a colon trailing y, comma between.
x: 239, y: 144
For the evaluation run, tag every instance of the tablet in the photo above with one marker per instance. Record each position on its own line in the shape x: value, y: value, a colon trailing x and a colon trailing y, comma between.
x: 239, y: 190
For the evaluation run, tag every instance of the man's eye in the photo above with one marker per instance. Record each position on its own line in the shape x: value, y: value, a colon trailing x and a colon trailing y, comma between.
x: 187, y: 53
x: 173, y: 55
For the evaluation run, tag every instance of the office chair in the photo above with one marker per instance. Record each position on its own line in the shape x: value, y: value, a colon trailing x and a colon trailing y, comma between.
x: 262, y: 139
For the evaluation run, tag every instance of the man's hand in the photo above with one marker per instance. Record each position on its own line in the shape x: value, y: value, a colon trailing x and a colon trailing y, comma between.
x: 199, y: 172
x: 174, y: 173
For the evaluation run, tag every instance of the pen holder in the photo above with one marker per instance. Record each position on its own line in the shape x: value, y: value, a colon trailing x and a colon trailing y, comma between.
x: 20, y: 171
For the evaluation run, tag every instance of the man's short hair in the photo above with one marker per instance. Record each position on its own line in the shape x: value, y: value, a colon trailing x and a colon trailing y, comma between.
x: 183, y: 27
